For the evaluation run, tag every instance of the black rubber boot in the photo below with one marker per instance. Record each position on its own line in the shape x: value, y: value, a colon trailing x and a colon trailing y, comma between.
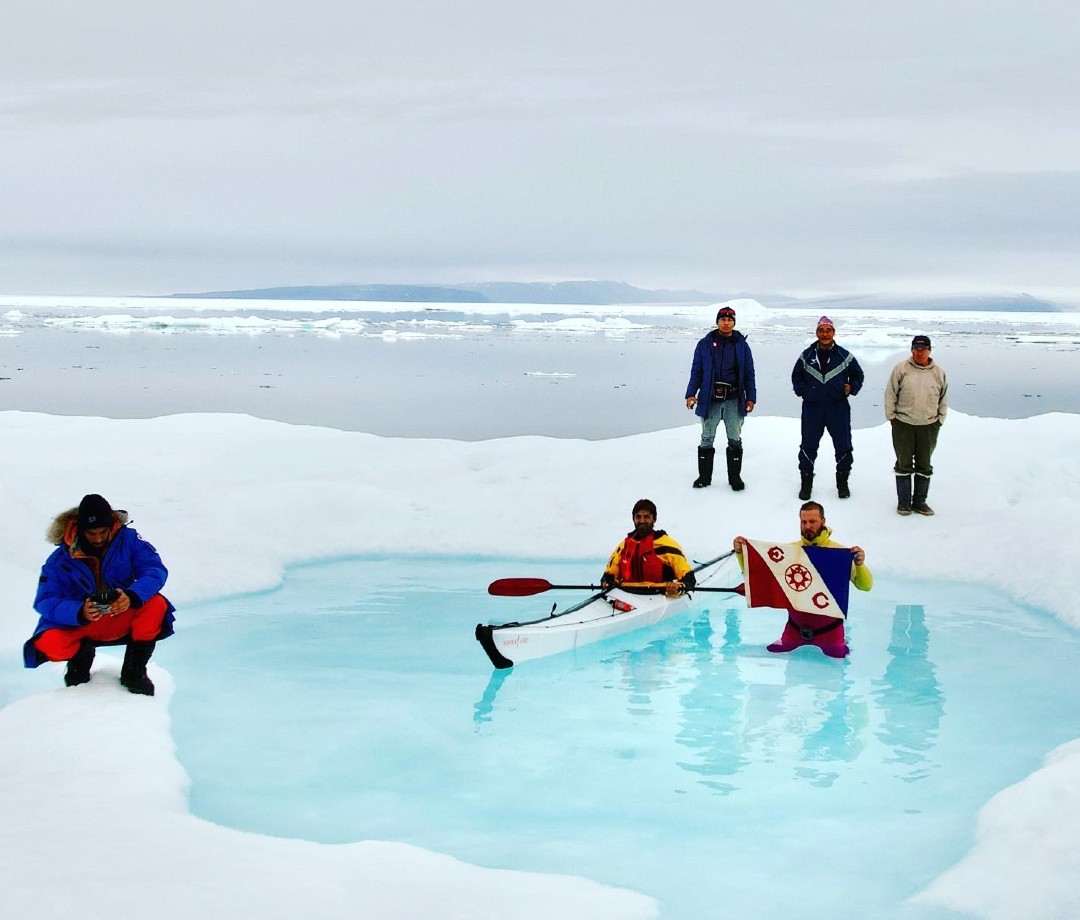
x: 734, y: 467
x: 918, y: 498
x: 842, y: 484
x: 903, y: 495
x: 807, y: 488
x: 133, y: 672
x: 706, y: 456
x: 78, y: 666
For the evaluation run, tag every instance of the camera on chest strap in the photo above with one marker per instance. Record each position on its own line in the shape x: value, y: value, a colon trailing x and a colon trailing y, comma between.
x: 722, y: 390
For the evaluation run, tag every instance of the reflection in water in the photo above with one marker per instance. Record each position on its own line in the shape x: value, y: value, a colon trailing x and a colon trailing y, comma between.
x: 647, y: 672
x: 738, y: 706
x: 483, y: 707
x: 743, y: 708
x: 909, y: 694
x: 804, y: 711
x: 841, y: 732
x: 713, y: 706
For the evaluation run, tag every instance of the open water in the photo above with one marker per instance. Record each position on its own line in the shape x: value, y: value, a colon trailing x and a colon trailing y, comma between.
x: 473, y: 378
x: 683, y: 761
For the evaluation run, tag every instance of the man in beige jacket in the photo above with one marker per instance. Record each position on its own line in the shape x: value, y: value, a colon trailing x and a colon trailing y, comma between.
x: 916, y: 400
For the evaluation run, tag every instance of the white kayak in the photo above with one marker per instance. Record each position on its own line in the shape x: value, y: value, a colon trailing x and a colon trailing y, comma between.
x: 600, y: 617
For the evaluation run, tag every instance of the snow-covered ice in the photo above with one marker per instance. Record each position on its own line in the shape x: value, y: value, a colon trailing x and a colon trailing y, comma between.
x: 95, y: 818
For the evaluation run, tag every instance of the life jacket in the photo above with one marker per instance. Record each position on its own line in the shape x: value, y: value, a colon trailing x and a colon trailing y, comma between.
x: 638, y: 561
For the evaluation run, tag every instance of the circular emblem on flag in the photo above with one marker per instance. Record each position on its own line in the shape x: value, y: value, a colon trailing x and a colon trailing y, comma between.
x: 775, y: 553
x: 821, y: 600
x: 798, y: 577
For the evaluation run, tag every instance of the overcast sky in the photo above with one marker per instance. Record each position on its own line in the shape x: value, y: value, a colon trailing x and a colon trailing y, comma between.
x: 151, y: 147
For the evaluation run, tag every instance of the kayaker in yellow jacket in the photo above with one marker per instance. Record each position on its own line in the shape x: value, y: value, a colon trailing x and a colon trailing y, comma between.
x: 648, y: 558
x: 810, y: 628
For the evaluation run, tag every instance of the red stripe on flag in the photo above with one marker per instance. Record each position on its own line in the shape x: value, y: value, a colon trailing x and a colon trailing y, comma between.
x: 762, y: 589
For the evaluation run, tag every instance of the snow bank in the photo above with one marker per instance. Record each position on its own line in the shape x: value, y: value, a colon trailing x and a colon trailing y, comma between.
x: 231, y: 500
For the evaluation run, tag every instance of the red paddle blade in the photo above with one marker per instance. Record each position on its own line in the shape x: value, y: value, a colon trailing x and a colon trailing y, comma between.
x: 518, y: 587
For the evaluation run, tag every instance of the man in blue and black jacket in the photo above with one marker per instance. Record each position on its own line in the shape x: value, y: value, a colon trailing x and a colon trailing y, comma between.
x: 824, y: 378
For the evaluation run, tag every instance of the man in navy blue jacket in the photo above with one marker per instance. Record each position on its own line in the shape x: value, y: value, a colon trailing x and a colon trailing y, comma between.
x: 824, y: 377
x: 100, y: 586
x: 722, y: 387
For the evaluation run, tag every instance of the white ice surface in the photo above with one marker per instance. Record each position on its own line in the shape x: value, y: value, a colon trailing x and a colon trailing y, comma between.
x: 94, y: 816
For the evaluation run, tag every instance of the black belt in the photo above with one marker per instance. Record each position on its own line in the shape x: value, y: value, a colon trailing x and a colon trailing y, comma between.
x: 807, y: 633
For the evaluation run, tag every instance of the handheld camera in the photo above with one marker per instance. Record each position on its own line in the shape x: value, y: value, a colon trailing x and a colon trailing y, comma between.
x: 104, y: 598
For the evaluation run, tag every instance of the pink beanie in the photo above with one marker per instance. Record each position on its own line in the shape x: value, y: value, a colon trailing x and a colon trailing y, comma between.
x: 825, y: 321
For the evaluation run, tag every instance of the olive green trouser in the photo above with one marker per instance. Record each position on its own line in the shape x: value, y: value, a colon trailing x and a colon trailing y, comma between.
x: 914, y: 446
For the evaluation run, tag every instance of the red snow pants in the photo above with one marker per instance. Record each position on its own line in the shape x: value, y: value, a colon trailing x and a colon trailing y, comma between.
x: 143, y: 624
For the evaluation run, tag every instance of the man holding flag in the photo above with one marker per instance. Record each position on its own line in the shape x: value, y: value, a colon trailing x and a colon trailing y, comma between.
x: 809, y: 579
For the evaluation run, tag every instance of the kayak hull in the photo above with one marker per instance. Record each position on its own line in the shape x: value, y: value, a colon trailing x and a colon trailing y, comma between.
x: 616, y: 612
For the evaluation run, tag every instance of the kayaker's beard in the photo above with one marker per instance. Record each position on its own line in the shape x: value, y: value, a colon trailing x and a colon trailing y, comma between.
x: 642, y: 531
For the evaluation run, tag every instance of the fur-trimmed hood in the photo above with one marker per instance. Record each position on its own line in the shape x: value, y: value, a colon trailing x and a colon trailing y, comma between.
x: 68, y: 521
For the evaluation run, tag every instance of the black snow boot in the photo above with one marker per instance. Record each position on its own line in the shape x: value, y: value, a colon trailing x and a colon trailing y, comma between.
x: 706, y: 456
x: 918, y: 499
x: 78, y: 666
x: 903, y: 495
x: 842, y: 483
x: 133, y: 672
x: 807, y: 488
x: 734, y: 467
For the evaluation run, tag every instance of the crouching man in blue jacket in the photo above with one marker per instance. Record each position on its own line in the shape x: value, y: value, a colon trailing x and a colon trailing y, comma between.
x: 100, y: 586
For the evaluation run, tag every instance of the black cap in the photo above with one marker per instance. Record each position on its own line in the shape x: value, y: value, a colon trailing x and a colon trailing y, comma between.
x: 725, y: 311
x: 94, y: 511
x: 920, y: 341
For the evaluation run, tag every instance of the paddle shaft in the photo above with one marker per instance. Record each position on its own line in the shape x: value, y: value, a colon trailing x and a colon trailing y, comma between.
x: 705, y: 565
x: 526, y: 587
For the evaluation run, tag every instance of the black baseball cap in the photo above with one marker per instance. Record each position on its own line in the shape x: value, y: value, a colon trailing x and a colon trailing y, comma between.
x: 921, y: 341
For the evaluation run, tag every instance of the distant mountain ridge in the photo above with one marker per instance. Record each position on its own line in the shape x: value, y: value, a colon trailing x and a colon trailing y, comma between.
x: 609, y: 293
x: 982, y: 303
x: 557, y: 292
